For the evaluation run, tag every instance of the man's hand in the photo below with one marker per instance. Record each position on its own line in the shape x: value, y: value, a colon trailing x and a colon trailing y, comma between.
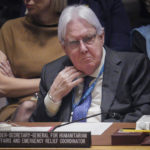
x: 5, y: 68
x: 65, y: 81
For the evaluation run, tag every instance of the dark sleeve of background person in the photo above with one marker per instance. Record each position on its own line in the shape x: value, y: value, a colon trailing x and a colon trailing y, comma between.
x: 10, y: 9
x: 138, y: 43
x: 114, y: 19
x: 144, y: 9
x: 71, y: 2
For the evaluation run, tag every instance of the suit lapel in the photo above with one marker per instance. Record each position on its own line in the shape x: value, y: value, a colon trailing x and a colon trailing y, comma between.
x: 110, y: 81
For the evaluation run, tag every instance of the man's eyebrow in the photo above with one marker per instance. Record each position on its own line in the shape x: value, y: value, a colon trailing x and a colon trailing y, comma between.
x: 84, y: 36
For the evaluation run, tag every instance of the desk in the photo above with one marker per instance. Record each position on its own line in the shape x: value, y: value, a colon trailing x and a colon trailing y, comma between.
x: 102, y: 142
x: 92, y: 148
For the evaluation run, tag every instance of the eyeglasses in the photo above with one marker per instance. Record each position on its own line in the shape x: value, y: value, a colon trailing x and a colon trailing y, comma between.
x: 87, y: 40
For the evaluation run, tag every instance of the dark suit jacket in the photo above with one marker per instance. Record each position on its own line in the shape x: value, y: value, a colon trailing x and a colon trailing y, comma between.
x: 125, y: 88
x: 114, y: 19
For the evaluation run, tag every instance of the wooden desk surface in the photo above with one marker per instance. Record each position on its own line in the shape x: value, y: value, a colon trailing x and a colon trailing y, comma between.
x: 102, y: 142
x: 92, y: 148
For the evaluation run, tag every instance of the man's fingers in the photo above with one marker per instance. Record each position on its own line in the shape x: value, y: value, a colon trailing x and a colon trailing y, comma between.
x: 77, y: 82
x: 2, y: 56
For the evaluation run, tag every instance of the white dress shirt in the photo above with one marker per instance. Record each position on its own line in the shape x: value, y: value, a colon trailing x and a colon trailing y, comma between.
x: 52, y: 108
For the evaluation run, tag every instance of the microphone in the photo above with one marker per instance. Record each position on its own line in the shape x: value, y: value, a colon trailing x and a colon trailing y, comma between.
x: 76, y: 121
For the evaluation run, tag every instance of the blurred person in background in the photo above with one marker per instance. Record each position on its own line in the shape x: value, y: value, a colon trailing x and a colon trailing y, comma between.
x: 26, y: 44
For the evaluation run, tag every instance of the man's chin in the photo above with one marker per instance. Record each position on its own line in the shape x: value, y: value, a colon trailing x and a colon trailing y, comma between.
x: 88, y: 69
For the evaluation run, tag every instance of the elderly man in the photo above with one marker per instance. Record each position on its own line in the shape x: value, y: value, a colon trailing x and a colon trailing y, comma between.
x: 92, y: 79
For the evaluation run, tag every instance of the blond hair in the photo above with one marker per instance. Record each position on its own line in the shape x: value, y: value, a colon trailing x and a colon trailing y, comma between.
x: 58, y: 5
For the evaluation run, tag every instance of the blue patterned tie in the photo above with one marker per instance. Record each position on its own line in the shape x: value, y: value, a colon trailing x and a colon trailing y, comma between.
x: 81, y: 110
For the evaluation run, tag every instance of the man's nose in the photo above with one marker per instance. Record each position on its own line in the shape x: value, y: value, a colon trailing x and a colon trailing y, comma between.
x: 83, y: 47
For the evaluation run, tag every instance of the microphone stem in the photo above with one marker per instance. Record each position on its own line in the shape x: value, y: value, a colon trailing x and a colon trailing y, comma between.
x: 76, y: 121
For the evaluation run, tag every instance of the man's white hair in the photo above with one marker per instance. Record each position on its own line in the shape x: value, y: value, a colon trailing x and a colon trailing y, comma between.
x: 77, y: 11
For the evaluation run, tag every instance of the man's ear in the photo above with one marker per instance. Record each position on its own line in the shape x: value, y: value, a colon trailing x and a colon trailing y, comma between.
x: 63, y: 47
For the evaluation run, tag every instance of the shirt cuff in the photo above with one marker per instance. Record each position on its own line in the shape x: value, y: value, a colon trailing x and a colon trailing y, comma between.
x: 51, y: 107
